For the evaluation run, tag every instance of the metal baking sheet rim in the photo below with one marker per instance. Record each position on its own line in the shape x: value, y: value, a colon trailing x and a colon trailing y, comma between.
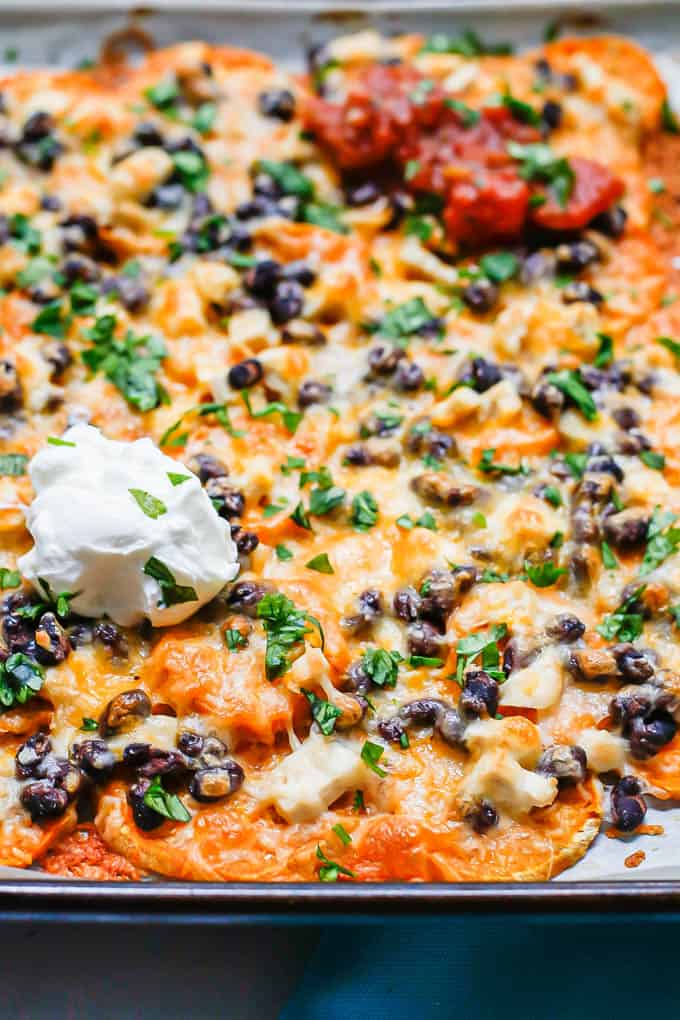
x: 32, y: 895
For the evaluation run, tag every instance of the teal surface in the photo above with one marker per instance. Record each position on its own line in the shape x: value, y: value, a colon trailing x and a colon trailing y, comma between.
x: 470, y: 968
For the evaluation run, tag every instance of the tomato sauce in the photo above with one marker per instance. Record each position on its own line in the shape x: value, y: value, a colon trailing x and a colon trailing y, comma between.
x: 394, y: 116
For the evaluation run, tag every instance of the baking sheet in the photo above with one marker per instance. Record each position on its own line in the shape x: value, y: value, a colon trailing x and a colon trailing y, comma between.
x: 35, y: 35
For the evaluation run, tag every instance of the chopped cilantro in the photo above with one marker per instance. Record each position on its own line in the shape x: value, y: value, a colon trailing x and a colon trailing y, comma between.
x: 290, y: 419
x: 499, y: 266
x: 576, y: 462
x: 321, y: 564
x: 331, y: 870
x: 652, y: 459
x: 172, y: 593
x: 551, y: 494
x: 425, y: 660
x: 485, y: 643
x: 469, y: 116
x: 148, y: 504
x: 539, y: 163
x: 569, y: 383
x: 291, y: 180
x: 322, y: 214
x: 609, y: 560
x: 164, y: 94
x: 300, y: 517
x: 204, y: 118
x: 669, y: 122
x: 283, y: 553
x: 662, y: 540
x: 381, y: 666
x: 467, y: 44
x: 20, y: 679
x: 164, y: 803
x: 285, y: 626
x: 9, y: 578
x: 324, y: 713
x: 13, y: 464
x: 671, y: 345
x: 234, y: 639
x: 192, y: 170
x: 130, y: 364
x: 543, y: 575
x: 51, y: 320
x: 323, y: 501
x: 487, y: 465
x: 364, y: 511
x: 402, y: 321
x: 520, y: 110
x: 177, y: 479
x: 624, y: 624
x: 342, y: 834
x: 88, y: 724
x: 371, y: 754
x: 605, y: 352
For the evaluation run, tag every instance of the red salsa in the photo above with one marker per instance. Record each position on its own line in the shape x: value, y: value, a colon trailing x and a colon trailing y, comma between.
x: 393, y: 116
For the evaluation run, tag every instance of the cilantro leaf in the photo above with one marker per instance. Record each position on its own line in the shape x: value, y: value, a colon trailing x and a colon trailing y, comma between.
x: 543, y: 575
x: 371, y: 754
x: 291, y: 180
x: 662, y: 540
x: 9, y: 578
x: 624, y: 624
x: 172, y: 593
x: 500, y: 266
x: 381, y: 666
x: 402, y: 321
x: 569, y: 383
x: 331, y: 870
x: 164, y: 803
x: 285, y: 626
x: 148, y: 504
x: 324, y: 713
x: 321, y: 564
x: 20, y: 679
x: 13, y: 464
x: 364, y: 511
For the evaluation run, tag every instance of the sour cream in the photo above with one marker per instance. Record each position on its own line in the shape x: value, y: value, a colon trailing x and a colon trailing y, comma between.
x: 125, y: 529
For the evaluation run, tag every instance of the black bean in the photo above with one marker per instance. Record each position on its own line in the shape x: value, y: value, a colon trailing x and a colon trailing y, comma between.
x: 52, y: 643
x: 424, y: 639
x: 190, y: 743
x: 228, y: 501
x: 547, y: 398
x: 482, y: 817
x: 551, y: 114
x: 426, y: 440
x: 136, y: 754
x: 593, y: 664
x: 58, y: 356
x: 400, y: 204
x: 480, y: 295
x: 627, y: 528
x: 579, y: 290
x: 287, y: 302
x: 313, y: 392
x: 246, y: 541
x: 265, y: 186
x: 443, y: 717
x: 147, y: 133
x: 362, y: 194
x: 479, y: 695
x: 208, y: 785
x: 262, y: 279
x: 437, y: 488
x: 245, y: 596
x: 438, y: 597
x: 634, y: 665
x: 648, y: 734
x: 94, y: 758
x: 277, y: 103
x: 566, y: 628
x: 145, y: 817
x: 409, y: 376
x: 43, y: 800
x: 50, y: 203
x: 576, y: 256
x: 131, y: 292
x: 109, y: 635
x: 79, y: 233
x: 406, y: 604
x: 80, y: 634
x: 206, y: 466
x: 481, y: 374
x: 537, y: 266
x: 566, y: 763
x: 163, y: 763
x: 17, y: 632
x: 44, y: 292
x: 626, y: 418
x: 31, y: 753
x: 299, y: 271
x: 358, y: 456
x: 124, y: 710
x: 392, y: 729
x: 384, y: 358
x: 245, y: 374
x: 357, y: 679
x: 167, y: 196
x: 611, y: 223
x: 214, y: 752
x: 37, y: 126
x: 627, y: 804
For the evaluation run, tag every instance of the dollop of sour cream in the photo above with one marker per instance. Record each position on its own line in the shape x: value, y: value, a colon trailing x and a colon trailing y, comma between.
x: 125, y: 529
